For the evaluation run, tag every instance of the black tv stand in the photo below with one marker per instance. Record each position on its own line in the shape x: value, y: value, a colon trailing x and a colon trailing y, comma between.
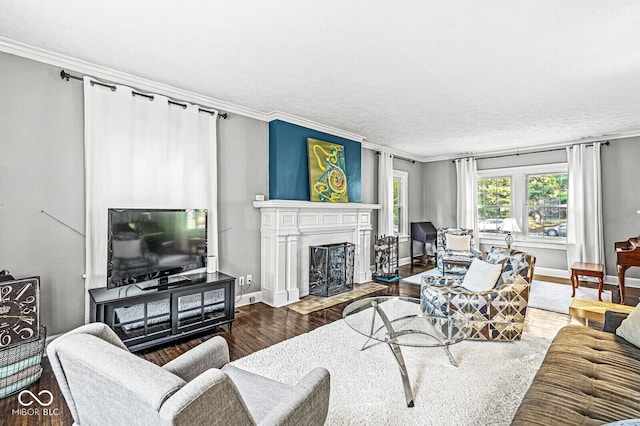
x: 146, y: 318
x: 168, y: 282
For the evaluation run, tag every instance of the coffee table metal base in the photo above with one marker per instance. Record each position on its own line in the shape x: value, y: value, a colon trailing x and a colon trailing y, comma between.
x: 396, y: 350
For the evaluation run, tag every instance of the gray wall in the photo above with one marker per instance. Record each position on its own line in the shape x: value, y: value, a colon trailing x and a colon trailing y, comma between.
x: 439, y: 189
x: 370, y: 191
x: 243, y: 172
x: 369, y: 188
x: 369, y: 180
x: 415, y: 196
x: 620, y: 197
x: 42, y: 168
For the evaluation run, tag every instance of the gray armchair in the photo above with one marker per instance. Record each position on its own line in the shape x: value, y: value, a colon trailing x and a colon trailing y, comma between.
x: 103, y: 383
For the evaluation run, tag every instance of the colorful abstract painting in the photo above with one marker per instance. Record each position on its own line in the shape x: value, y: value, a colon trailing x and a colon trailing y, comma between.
x: 327, y: 177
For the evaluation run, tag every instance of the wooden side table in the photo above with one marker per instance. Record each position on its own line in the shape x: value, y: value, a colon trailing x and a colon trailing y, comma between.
x: 586, y: 269
x: 456, y: 261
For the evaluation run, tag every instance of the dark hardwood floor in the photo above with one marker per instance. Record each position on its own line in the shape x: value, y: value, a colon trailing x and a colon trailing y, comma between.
x: 256, y: 327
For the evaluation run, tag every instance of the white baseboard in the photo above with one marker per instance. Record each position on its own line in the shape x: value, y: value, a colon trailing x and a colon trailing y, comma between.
x: 244, y: 300
x: 608, y: 279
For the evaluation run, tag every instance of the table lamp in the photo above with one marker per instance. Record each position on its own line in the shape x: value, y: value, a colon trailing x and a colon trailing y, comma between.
x: 509, y: 225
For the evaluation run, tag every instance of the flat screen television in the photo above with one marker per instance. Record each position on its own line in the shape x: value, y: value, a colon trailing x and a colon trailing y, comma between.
x: 147, y: 247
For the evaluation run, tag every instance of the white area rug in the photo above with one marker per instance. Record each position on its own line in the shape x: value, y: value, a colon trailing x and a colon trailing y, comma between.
x: 417, y: 279
x: 557, y: 297
x: 366, y: 388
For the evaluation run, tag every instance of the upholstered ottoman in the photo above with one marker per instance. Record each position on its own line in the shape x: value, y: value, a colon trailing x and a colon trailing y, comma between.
x: 588, y: 377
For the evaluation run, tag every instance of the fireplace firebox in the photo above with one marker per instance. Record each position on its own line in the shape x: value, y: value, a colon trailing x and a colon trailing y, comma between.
x: 331, y: 269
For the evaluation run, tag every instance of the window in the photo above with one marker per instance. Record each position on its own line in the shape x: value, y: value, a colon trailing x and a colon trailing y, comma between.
x: 400, y: 203
x: 494, y: 202
x: 536, y: 196
x: 547, y: 205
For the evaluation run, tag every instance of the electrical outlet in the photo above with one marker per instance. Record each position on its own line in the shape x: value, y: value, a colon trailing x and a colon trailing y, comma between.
x: 249, y: 279
x: 241, y: 281
x: 252, y: 299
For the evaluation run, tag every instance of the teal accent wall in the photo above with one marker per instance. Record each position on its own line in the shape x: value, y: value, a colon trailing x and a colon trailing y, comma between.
x: 289, y: 165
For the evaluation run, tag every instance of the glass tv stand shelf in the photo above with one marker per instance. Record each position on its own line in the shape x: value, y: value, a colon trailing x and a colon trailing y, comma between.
x: 146, y: 318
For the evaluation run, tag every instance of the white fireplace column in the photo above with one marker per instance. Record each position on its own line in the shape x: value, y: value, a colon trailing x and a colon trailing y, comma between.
x: 289, y: 228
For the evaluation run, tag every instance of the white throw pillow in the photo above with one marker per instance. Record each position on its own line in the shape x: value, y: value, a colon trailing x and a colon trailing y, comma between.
x: 481, y: 276
x: 458, y: 242
x: 629, y: 329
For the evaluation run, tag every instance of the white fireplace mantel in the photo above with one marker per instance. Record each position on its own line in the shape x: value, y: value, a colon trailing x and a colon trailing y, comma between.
x: 288, y: 228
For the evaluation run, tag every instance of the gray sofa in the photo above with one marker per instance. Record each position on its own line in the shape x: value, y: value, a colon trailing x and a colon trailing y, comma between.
x: 588, y: 377
x: 103, y: 383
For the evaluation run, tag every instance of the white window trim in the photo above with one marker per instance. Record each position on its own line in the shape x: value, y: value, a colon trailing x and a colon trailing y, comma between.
x: 518, y: 209
x: 403, y: 200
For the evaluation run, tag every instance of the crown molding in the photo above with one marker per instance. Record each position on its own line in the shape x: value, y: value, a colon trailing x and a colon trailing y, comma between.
x: 632, y: 133
x: 394, y: 152
x: 38, y: 54
x: 293, y: 119
x: 80, y: 66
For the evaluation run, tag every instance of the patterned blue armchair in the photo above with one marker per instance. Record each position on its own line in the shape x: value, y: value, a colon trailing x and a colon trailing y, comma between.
x: 451, y: 257
x: 497, y: 314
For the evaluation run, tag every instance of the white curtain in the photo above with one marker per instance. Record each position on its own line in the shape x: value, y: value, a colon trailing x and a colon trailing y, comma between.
x: 385, y: 193
x: 142, y: 153
x: 466, y: 170
x: 585, y: 237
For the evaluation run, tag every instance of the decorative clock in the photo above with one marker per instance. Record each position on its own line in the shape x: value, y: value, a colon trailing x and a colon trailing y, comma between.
x: 19, y: 311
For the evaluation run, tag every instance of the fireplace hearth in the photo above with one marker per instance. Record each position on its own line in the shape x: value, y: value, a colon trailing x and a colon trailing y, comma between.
x: 287, y: 230
x: 331, y: 269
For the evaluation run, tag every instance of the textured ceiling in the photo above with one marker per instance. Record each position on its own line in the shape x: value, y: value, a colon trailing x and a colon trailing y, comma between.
x: 428, y: 78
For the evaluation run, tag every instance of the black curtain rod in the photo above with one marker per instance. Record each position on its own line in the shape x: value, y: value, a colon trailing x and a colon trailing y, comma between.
x: 66, y: 76
x: 399, y: 158
x: 530, y: 152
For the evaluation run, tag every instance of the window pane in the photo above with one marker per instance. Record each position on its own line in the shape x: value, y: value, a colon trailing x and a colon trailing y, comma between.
x: 494, y: 203
x: 396, y: 219
x: 547, y: 205
x: 396, y: 192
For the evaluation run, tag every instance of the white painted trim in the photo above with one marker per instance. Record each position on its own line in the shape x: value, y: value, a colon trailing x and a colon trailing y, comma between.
x: 77, y: 65
x: 608, y: 279
x: 312, y: 205
x: 289, y: 228
x: 403, y: 189
x: 401, y: 262
x: 38, y: 54
x: 69, y: 63
x: 520, y: 244
x: 394, y: 152
x: 550, y: 272
x: 628, y: 281
x: 244, y: 300
x: 290, y: 118
x: 538, y: 147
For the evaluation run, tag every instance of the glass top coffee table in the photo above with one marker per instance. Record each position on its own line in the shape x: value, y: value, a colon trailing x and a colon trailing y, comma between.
x: 399, y: 321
